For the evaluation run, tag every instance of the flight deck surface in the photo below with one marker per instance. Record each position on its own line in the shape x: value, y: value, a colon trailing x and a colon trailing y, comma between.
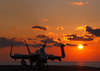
x: 51, y: 68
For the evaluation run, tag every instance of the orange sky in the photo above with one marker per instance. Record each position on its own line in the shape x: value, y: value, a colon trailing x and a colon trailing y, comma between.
x: 70, y: 22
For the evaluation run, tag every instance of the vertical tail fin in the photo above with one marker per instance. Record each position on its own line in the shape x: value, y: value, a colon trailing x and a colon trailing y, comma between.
x: 27, y: 47
x: 11, y: 51
x: 45, y: 44
x: 62, y: 51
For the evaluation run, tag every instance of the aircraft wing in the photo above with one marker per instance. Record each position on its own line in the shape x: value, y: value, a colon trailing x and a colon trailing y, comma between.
x: 52, y: 57
x: 22, y: 56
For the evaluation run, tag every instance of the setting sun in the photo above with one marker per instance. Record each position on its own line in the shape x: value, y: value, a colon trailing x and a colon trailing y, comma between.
x: 80, y: 46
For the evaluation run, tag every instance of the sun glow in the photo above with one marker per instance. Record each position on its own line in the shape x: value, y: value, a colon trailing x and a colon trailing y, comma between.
x: 80, y: 46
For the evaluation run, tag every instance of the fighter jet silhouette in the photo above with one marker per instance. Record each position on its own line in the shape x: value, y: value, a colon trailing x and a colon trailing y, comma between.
x: 40, y: 57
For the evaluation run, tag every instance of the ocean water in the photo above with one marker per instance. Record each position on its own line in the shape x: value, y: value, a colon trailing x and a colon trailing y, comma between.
x: 90, y: 64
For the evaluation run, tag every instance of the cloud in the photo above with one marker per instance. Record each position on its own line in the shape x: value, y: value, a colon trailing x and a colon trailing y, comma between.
x: 78, y: 38
x: 85, y: 45
x: 4, y: 42
x: 60, y: 28
x: 41, y: 36
x: 80, y: 28
x: 88, y: 36
x: 45, y: 20
x: 31, y: 39
x: 39, y: 45
x: 78, y: 3
x: 34, y: 42
x: 51, y: 33
x: 90, y: 30
x: 36, y: 45
x: 21, y: 38
x: 70, y: 44
x: 14, y: 29
x: 49, y: 46
x: 59, y: 39
x: 39, y: 27
x: 57, y: 44
x: 49, y: 40
x: 95, y: 32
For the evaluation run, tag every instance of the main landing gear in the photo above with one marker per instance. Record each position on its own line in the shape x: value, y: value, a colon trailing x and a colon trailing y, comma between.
x: 41, y: 65
x: 23, y: 63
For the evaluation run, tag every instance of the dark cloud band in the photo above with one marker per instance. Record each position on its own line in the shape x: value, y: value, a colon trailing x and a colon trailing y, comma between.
x: 95, y: 32
x: 4, y: 42
x: 78, y: 38
x: 39, y: 27
x: 41, y: 36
